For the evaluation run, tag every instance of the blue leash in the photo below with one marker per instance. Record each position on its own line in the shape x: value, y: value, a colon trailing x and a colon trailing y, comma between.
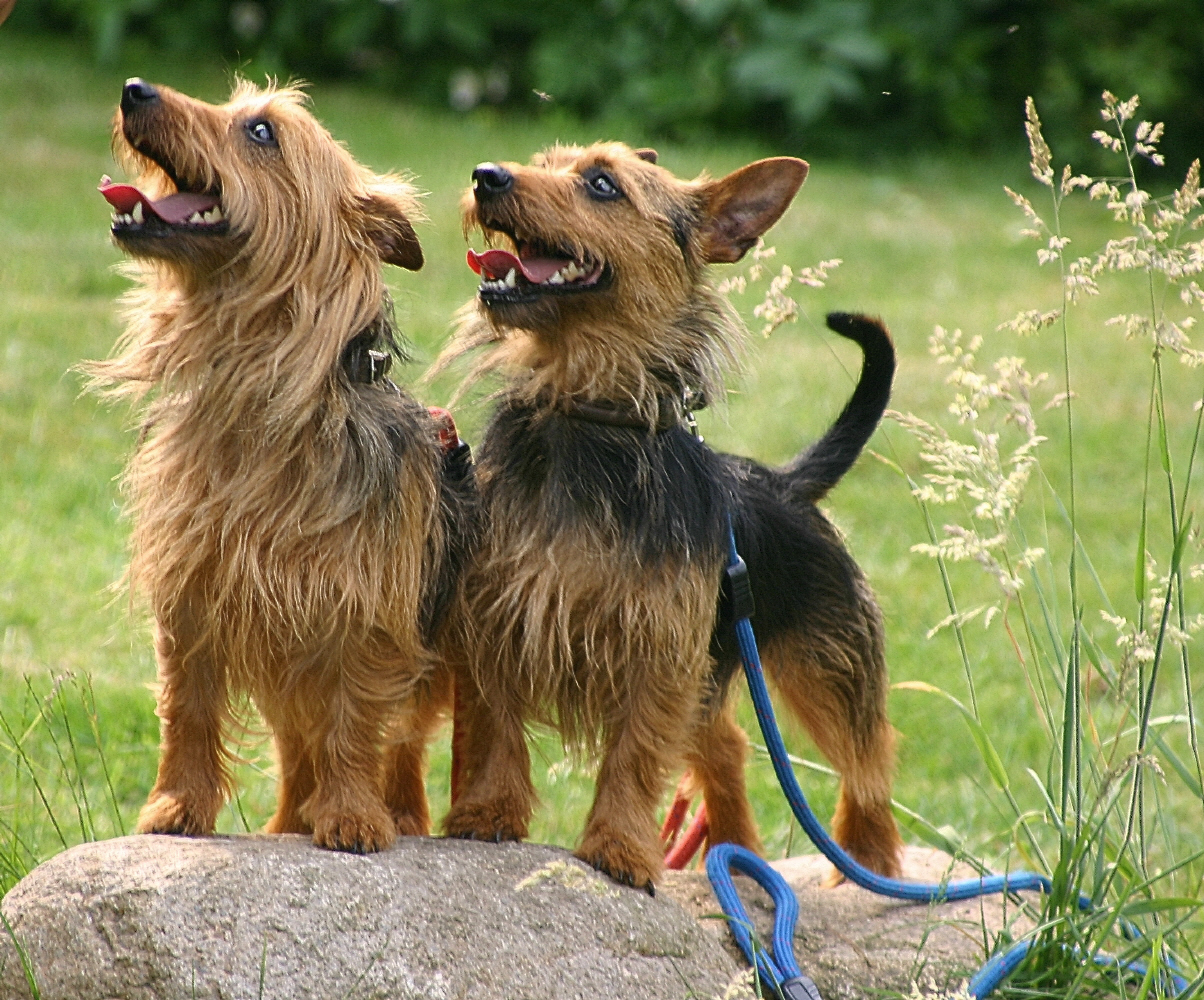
x: 781, y: 969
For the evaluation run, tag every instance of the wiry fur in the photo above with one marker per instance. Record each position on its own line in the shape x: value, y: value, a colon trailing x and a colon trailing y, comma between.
x: 591, y: 601
x: 291, y: 528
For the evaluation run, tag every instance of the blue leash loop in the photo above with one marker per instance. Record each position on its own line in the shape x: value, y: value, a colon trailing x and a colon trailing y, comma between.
x: 781, y: 969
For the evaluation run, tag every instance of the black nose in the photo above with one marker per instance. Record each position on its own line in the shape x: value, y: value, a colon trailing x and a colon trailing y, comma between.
x: 136, y: 94
x: 490, y: 180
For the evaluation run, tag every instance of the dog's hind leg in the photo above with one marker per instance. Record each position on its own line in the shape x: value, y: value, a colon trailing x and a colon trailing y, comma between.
x: 193, y: 779
x: 863, y: 823
x: 406, y: 759
x: 717, y: 755
x: 835, y: 683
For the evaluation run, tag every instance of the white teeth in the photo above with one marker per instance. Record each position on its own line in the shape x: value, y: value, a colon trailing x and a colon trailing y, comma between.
x: 511, y: 279
x: 556, y: 279
x: 137, y: 214
x: 213, y: 215
x: 195, y: 217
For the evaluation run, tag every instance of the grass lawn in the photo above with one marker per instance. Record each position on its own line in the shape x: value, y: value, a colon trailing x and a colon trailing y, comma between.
x: 922, y: 243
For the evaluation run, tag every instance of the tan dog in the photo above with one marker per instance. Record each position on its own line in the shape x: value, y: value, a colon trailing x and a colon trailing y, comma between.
x: 592, y: 603
x: 293, y: 533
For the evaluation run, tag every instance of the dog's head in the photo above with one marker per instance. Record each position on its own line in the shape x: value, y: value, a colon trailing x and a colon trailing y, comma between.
x: 256, y: 179
x: 603, y: 234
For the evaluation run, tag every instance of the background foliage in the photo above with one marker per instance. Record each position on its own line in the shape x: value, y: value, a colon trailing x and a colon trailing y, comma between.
x: 853, y: 76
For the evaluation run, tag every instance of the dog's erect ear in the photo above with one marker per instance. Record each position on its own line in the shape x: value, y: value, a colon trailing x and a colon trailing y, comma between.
x: 390, y: 230
x: 647, y: 155
x: 742, y: 206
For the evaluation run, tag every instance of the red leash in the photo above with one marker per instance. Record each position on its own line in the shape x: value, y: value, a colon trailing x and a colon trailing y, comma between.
x: 679, y: 852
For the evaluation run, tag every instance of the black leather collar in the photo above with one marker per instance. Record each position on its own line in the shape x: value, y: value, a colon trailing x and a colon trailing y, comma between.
x: 615, y: 414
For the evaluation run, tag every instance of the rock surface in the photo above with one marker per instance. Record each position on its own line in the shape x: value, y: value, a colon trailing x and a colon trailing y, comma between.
x: 246, y: 917
x: 164, y: 918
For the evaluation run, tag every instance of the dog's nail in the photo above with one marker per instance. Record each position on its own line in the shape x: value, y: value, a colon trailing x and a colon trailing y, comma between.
x: 651, y: 890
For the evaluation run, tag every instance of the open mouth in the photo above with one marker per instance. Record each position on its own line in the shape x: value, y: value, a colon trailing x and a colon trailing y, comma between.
x: 135, y: 214
x: 532, y: 272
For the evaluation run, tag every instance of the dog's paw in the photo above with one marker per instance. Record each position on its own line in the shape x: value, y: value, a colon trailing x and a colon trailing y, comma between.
x: 356, y: 833
x: 489, y: 821
x: 168, y: 812
x: 625, y: 862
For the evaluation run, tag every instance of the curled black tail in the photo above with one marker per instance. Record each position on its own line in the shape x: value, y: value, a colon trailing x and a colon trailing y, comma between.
x: 820, y: 467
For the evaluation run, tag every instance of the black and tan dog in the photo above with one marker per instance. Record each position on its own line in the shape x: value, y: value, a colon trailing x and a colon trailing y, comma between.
x: 592, y: 602
x: 294, y: 532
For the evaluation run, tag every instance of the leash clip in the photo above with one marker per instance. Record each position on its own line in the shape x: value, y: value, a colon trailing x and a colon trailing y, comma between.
x: 737, y: 591
x: 798, y: 988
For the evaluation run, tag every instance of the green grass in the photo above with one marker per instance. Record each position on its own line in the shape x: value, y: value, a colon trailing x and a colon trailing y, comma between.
x: 923, y: 243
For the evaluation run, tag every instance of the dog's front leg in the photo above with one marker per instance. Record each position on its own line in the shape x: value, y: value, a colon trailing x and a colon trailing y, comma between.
x: 496, y: 797
x: 347, y: 809
x: 193, y: 779
x: 621, y: 836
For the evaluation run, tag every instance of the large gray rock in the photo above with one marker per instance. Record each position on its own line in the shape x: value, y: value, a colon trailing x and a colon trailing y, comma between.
x: 164, y: 918
x: 238, y: 918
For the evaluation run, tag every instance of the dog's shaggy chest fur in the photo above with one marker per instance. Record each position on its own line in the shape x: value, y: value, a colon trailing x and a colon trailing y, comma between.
x: 586, y: 522
x: 592, y: 599
x: 293, y: 533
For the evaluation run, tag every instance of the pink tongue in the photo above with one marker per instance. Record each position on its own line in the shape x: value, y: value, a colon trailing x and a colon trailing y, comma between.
x: 173, y: 209
x: 496, y: 264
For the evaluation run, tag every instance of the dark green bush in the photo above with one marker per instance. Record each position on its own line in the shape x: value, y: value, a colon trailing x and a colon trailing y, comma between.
x: 839, y: 75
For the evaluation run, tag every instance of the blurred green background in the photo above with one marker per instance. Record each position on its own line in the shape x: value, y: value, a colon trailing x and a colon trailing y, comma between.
x: 863, y: 77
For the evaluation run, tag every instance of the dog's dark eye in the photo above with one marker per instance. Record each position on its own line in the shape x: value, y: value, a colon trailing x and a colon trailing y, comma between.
x: 602, y: 186
x: 261, y: 132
